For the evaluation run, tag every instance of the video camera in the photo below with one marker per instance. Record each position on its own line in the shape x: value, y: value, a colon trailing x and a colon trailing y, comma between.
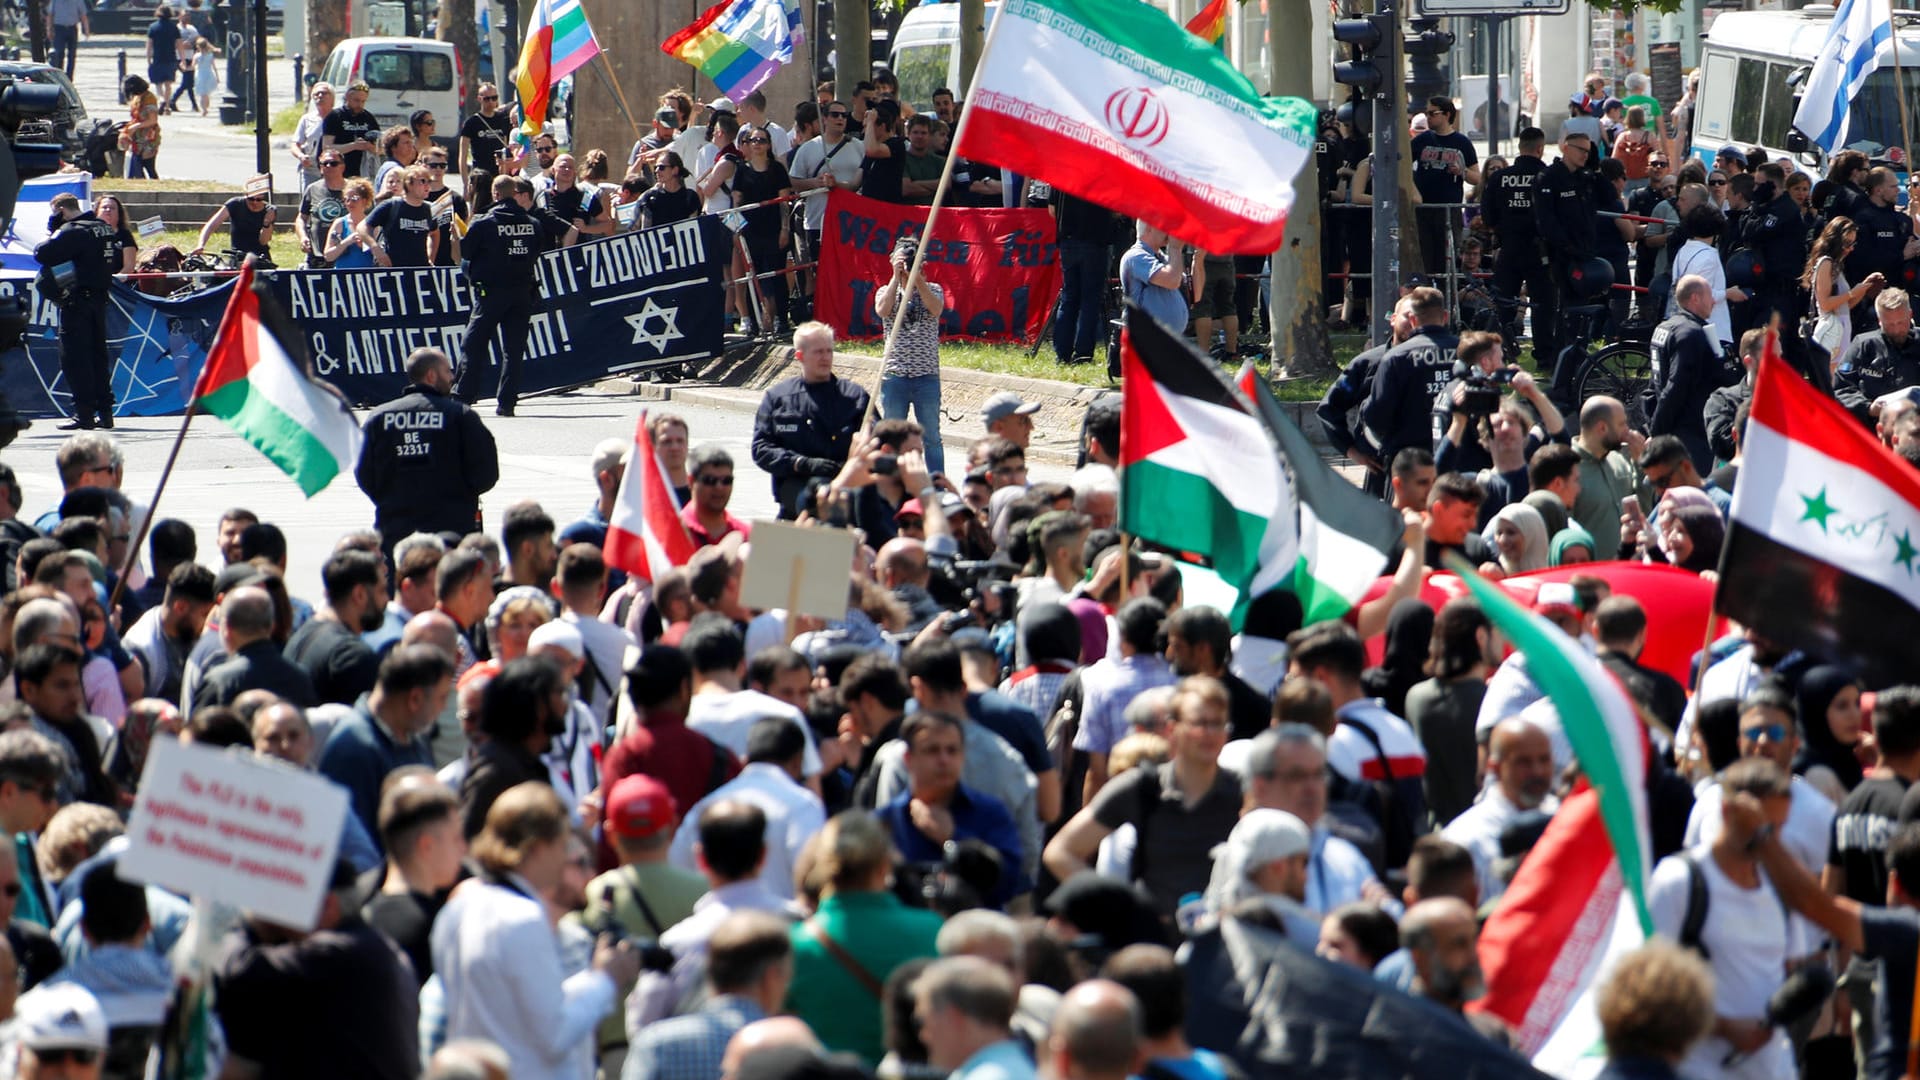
x: 605, y: 928
x: 1482, y: 389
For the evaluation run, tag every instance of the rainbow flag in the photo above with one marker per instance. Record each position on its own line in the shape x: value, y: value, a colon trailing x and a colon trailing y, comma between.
x: 1210, y: 25
x: 558, y: 43
x: 739, y: 44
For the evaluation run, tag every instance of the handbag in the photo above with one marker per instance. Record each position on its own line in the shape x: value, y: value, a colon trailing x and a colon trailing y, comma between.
x: 1827, y: 331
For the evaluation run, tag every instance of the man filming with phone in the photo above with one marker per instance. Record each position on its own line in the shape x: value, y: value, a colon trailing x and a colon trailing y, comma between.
x: 806, y: 423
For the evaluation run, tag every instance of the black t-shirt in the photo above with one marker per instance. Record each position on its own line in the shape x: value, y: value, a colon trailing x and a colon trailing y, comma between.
x: 750, y: 187
x: 122, y: 242
x: 341, y: 665
x: 1174, y: 852
x: 1433, y: 158
x: 287, y: 1007
x: 346, y: 126
x: 1474, y: 549
x: 577, y: 203
x: 486, y: 136
x: 407, y: 918
x: 403, y: 231
x: 663, y: 207
x: 443, y: 224
x: 1857, y: 840
x: 884, y: 175
x: 245, y: 223
x: 1891, y: 935
x: 1247, y: 709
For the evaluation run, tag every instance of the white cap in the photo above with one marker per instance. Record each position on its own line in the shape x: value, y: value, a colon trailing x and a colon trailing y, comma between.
x: 59, y: 1017
x: 1260, y: 838
x: 562, y: 634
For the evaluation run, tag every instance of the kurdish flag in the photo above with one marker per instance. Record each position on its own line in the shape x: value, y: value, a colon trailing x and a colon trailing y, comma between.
x: 1579, y: 901
x: 258, y: 383
x: 558, y: 43
x: 739, y: 44
x: 1210, y: 24
x: 644, y: 534
x: 1110, y: 101
x: 1823, y: 544
x: 1345, y: 536
x: 1199, y: 470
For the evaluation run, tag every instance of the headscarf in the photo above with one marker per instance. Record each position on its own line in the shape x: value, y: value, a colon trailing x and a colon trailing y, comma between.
x: 1533, y: 528
x: 1817, y: 689
x: 1259, y: 838
x: 1409, y: 636
x: 1571, y: 536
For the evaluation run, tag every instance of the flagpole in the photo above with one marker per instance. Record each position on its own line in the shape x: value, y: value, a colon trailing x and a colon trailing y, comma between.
x: 620, y: 96
x: 153, y: 507
x: 1899, y: 88
x: 926, y: 234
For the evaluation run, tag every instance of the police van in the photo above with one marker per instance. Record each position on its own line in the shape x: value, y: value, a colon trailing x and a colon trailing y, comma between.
x: 1752, y: 63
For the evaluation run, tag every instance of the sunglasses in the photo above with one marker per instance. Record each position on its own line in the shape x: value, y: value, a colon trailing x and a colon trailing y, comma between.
x: 428, y: 123
x: 1716, y: 183
x: 838, y: 115
x: 65, y: 1055
x: 716, y: 481
x: 546, y: 149
x: 489, y: 97
x: 437, y: 166
x: 1771, y: 732
x: 759, y: 140
x: 911, y: 522
x: 331, y: 163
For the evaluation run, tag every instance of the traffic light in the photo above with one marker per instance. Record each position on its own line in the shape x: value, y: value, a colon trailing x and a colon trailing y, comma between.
x: 1367, y: 68
x: 1425, y: 45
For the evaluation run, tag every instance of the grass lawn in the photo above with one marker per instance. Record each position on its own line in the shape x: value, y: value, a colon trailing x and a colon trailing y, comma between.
x: 121, y: 184
x: 285, y: 246
x: 1015, y: 360
x: 285, y: 120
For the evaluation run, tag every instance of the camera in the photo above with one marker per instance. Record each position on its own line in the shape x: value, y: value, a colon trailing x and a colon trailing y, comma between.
x: 605, y: 928
x: 1482, y: 388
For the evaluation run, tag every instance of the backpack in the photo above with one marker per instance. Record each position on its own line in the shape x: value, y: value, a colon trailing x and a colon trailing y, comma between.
x: 1402, y: 821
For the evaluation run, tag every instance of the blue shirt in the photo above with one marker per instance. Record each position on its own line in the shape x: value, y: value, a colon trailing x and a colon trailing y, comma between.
x: 1200, y: 1065
x: 1014, y: 722
x: 359, y: 755
x: 689, y: 1047
x: 1003, y: 1060
x: 1166, y: 305
x: 976, y: 816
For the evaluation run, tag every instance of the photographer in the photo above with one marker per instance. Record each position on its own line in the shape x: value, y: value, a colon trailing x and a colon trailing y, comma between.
x: 1467, y: 412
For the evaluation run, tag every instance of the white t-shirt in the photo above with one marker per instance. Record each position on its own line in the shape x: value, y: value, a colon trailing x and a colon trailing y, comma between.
x: 1746, y: 933
x: 1807, y: 834
x: 793, y: 815
x: 727, y: 718
x: 813, y: 159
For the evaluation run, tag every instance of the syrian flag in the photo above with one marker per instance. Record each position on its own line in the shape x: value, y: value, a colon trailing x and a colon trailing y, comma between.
x: 645, y: 534
x: 255, y: 378
x: 1579, y: 901
x: 1823, y: 544
x: 1345, y: 535
x: 1199, y: 471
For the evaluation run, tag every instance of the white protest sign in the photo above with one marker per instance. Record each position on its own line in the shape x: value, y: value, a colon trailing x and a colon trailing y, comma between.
x: 798, y: 569
x: 237, y: 829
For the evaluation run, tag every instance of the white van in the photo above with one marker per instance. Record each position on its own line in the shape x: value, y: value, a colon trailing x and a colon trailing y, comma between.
x: 926, y: 52
x: 403, y: 75
x: 1751, y: 64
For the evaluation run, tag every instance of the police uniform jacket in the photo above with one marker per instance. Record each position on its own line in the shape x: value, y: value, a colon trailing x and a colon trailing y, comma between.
x: 1881, y: 240
x: 1778, y: 235
x: 1350, y: 392
x: 1687, y: 369
x: 425, y: 462
x: 1874, y: 365
x: 1507, y: 203
x: 1563, y: 211
x: 86, y: 242
x: 1399, y: 411
x: 500, y: 246
x: 805, y: 430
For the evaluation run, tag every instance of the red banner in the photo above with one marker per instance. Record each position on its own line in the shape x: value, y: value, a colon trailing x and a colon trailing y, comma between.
x: 1000, y: 269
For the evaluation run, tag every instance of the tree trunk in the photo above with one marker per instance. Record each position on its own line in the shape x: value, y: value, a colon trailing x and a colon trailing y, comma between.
x: 852, y: 46
x: 326, y: 27
x: 973, y: 32
x: 37, y: 29
x: 1299, y: 313
x: 456, y: 27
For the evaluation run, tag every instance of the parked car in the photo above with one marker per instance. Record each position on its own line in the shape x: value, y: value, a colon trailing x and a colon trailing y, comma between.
x: 68, y: 126
x: 402, y: 75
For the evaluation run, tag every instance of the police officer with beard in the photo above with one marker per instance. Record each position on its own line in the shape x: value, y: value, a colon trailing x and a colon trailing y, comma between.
x: 1507, y: 204
x: 1563, y: 213
x: 499, y: 250
x: 80, y: 257
x: 427, y: 457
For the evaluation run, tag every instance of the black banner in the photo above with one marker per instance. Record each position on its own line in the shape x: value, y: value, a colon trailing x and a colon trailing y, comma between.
x: 619, y: 303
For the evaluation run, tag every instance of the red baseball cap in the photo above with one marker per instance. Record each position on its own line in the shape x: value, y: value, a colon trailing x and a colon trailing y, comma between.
x: 640, y: 807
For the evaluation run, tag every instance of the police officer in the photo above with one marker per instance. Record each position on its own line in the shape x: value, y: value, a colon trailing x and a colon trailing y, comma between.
x: 81, y: 256
x: 427, y: 458
x: 1507, y: 205
x: 1398, y: 413
x: 1563, y: 213
x: 1885, y: 237
x: 1351, y: 391
x: 1778, y: 234
x: 805, y: 426
x: 1687, y: 369
x: 1880, y: 361
x: 499, y: 247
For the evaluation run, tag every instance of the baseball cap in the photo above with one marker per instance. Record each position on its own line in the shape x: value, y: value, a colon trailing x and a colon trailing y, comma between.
x: 558, y: 633
x: 666, y: 116
x: 721, y: 104
x: 1265, y: 836
x: 952, y: 504
x: 911, y: 506
x: 640, y: 807
x: 59, y: 1017
x: 1557, y: 598
x: 1007, y: 403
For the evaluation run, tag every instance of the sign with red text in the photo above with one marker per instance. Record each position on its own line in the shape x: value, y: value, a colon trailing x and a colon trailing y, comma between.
x: 999, y: 269
x: 237, y: 829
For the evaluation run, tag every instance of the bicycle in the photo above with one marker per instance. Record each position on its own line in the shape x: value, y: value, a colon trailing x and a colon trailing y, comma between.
x: 1621, y: 368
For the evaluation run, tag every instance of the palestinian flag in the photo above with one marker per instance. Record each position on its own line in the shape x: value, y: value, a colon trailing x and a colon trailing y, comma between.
x: 1199, y: 471
x: 1823, y: 545
x: 645, y: 534
x: 256, y: 379
x: 1113, y: 102
x: 1579, y: 901
x: 1345, y: 535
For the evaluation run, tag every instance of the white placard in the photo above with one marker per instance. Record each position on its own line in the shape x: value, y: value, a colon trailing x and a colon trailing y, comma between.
x: 234, y: 828
x: 153, y: 226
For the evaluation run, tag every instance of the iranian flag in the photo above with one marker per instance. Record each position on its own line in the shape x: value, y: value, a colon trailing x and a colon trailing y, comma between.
x: 1113, y: 101
x: 1823, y: 545
x: 1579, y: 901
x: 255, y: 378
x: 1345, y: 536
x: 645, y: 534
x: 1199, y: 471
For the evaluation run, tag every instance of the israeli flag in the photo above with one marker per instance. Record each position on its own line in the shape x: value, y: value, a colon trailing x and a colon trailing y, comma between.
x: 1850, y: 54
x: 30, y: 214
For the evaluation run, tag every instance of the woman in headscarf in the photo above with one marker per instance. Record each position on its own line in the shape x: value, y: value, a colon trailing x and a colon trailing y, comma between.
x: 1519, y: 534
x: 1572, y: 544
x: 1829, y: 699
x: 1404, y: 663
x: 1691, y: 535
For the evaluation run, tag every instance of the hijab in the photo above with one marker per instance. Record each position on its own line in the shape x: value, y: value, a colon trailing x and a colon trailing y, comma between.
x: 1571, y: 536
x: 1409, y: 637
x: 1817, y: 689
x: 1533, y: 529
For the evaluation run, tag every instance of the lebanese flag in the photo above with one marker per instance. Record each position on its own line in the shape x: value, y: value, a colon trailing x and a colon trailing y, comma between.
x: 1116, y: 103
x: 1579, y: 901
x: 645, y: 534
x: 1823, y: 545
